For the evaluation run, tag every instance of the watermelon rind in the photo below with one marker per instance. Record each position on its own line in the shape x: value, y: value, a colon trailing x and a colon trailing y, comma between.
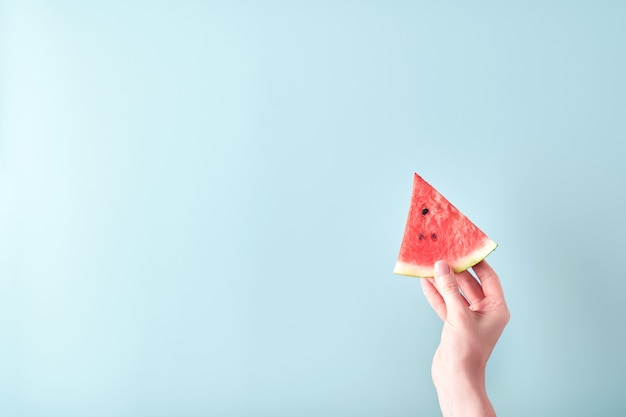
x: 458, y: 265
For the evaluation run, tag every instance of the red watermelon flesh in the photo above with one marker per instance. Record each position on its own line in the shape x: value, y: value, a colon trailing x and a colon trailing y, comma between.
x: 435, y: 230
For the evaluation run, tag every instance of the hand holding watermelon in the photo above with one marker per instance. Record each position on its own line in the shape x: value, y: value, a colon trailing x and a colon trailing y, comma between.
x: 473, y: 310
x: 474, y: 313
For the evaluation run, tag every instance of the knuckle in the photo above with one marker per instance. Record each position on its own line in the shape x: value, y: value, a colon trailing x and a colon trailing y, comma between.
x: 507, y: 316
x: 449, y: 288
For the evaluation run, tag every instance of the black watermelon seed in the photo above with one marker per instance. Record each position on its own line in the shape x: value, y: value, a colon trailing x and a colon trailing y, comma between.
x: 425, y: 211
x: 422, y: 236
x: 433, y: 236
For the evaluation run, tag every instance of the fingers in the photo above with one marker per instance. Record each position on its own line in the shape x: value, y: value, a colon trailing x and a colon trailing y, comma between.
x: 448, y: 288
x: 489, y: 280
x: 450, y: 293
x: 470, y: 287
x: 433, y: 297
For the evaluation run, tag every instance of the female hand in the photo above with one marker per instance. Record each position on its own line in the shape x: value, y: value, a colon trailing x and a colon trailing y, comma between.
x: 474, y: 313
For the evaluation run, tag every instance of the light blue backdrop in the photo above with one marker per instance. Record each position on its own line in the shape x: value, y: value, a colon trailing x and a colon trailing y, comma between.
x: 201, y: 202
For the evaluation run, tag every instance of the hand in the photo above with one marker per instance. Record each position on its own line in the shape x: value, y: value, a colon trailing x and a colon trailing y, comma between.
x: 474, y: 314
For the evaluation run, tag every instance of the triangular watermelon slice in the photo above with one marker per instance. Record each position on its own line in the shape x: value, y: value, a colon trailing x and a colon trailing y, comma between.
x: 435, y: 230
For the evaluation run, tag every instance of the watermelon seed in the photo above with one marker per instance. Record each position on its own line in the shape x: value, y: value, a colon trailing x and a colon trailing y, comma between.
x: 433, y: 236
x: 425, y: 211
x: 422, y: 236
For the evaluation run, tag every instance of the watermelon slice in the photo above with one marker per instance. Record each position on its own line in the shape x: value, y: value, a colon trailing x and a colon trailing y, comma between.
x: 435, y: 230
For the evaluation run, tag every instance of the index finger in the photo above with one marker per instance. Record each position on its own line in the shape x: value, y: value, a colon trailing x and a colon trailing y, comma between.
x: 488, y: 279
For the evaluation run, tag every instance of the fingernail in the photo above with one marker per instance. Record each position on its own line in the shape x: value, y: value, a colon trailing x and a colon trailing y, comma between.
x: 441, y: 268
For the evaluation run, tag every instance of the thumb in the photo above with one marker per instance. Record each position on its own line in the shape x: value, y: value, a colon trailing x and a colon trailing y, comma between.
x: 448, y: 287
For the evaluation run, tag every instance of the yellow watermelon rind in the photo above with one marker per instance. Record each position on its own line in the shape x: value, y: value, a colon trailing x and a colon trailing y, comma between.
x: 458, y: 265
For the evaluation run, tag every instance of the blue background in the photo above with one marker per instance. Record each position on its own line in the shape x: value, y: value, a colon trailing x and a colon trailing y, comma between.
x: 201, y: 203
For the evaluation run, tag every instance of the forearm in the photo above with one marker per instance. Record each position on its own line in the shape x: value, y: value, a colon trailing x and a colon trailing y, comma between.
x: 464, y: 397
